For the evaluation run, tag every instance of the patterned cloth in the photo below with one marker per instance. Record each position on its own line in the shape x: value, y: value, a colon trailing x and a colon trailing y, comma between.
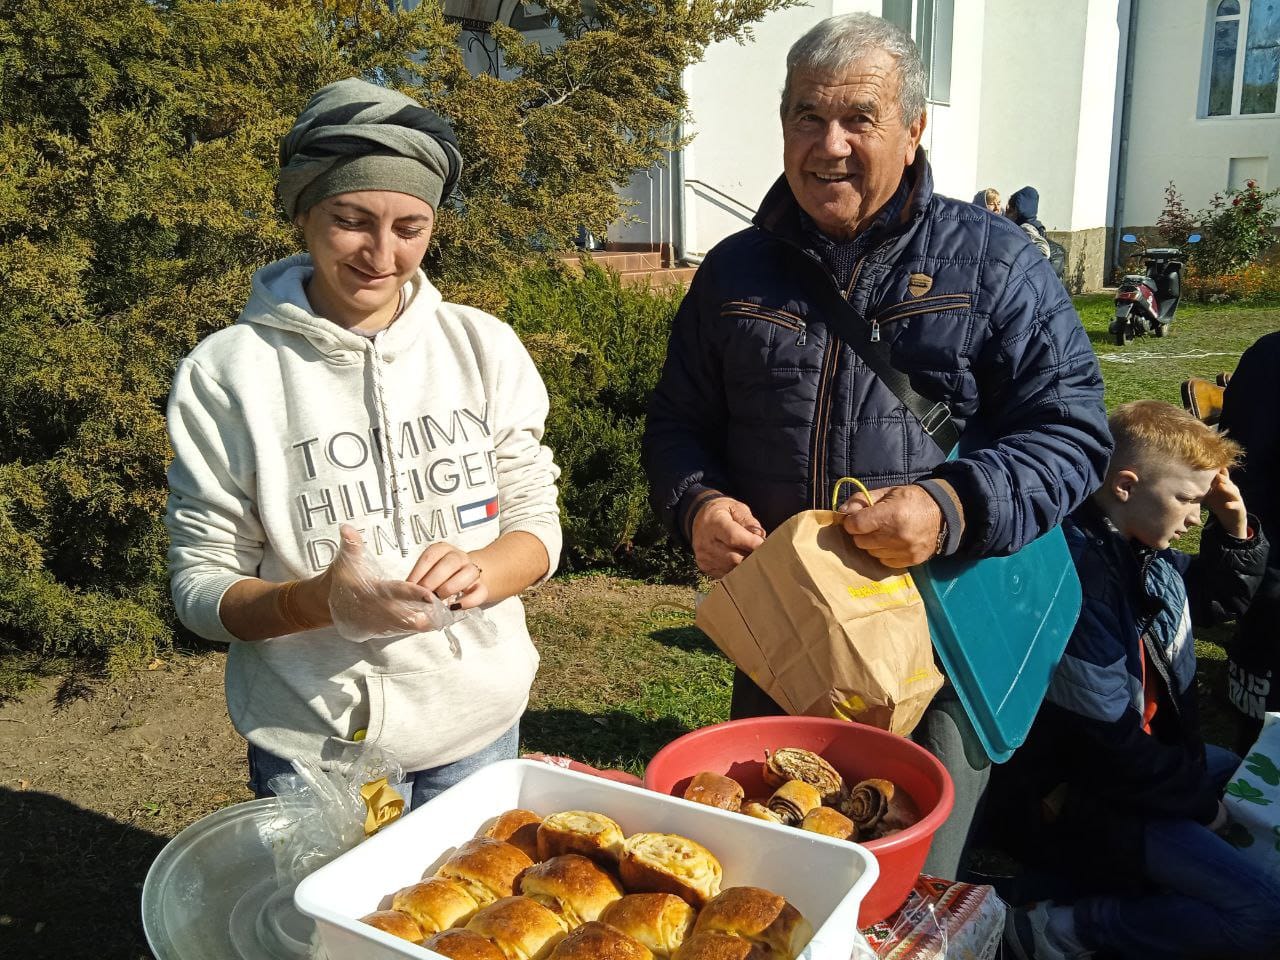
x: 965, y: 923
x: 1253, y: 800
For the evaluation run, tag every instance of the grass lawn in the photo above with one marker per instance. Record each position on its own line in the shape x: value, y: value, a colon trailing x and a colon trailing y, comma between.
x: 624, y: 670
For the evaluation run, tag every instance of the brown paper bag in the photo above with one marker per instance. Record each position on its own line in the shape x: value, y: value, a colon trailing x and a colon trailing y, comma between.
x: 824, y: 628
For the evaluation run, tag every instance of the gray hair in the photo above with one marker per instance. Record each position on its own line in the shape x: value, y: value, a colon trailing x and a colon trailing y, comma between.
x: 834, y: 43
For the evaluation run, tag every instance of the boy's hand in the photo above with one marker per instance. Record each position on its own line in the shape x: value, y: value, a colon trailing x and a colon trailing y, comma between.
x: 1225, y: 502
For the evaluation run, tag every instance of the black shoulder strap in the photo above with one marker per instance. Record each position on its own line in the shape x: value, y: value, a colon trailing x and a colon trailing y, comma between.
x: 934, y: 415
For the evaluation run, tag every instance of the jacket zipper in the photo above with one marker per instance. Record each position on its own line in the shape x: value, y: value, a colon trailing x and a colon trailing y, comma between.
x: 739, y: 308
x: 928, y: 305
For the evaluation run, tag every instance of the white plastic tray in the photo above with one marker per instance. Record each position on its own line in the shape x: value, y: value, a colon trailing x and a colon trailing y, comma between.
x: 825, y: 879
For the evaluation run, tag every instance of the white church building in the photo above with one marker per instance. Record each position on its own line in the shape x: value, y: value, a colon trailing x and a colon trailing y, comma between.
x: 1098, y: 104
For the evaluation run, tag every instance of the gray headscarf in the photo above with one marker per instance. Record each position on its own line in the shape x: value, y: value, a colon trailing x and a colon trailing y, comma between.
x: 354, y: 135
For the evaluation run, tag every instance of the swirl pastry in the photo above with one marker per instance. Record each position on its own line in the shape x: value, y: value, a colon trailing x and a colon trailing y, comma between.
x: 792, y: 763
x: 486, y: 868
x: 758, y: 810
x: 794, y: 800
x: 669, y: 863
x: 395, y: 923
x: 572, y: 886
x: 877, y: 808
x: 521, y: 928
x: 518, y: 828
x: 660, y: 921
x: 596, y: 941
x: 759, y: 917
x: 719, y: 946
x: 578, y: 831
x: 460, y: 944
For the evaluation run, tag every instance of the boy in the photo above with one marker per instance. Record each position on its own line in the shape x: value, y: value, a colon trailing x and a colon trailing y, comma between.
x: 1129, y: 797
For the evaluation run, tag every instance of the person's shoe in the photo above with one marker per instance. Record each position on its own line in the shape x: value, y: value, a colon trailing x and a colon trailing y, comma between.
x: 1026, y: 935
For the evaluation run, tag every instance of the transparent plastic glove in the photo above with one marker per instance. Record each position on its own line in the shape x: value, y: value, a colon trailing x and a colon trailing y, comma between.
x: 367, y: 605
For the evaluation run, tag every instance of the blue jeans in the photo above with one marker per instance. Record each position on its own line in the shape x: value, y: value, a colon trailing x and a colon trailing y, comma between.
x: 419, y: 786
x: 1213, y: 901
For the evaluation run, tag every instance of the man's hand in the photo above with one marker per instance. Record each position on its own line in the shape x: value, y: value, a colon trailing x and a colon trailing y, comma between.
x: 899, y: 526
x: 724, y: 532
x: 1226, y: 503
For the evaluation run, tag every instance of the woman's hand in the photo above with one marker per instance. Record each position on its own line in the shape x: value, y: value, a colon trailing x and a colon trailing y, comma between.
x: 1225, y: 502
x: 451, y: 575
x: 364, y: 605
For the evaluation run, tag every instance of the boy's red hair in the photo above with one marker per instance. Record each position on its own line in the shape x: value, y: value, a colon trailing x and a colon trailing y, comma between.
x: 1146, y: 429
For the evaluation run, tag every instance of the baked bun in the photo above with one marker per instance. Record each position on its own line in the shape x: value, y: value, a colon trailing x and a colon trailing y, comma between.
x: 486, y: 868
x: 395, y: 923
x: 572, y: 886
x: 577, y: 831
x: 518, y: 828
x: 436, y: 904
x: 463, y: 945
x: 830, y: 822
x: 669, y: 863
x: 753, y: 808
x: 758, y: 916
x: 719, y: 946
x: 715, y: 791
x: 519, y: 927
x: 595, y: 941
x: 660, y: 921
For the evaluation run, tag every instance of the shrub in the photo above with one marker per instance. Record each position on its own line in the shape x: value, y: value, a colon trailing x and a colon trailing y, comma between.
x: 599, y: 346
x: 1237, y: 228
x: 1257, y: 283
x: 137, y: 164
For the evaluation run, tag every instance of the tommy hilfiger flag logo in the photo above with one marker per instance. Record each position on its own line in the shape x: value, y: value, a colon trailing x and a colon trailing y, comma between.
x: 474, y: 514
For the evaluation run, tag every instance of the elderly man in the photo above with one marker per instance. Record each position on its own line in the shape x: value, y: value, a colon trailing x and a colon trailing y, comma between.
x: 775, y: 382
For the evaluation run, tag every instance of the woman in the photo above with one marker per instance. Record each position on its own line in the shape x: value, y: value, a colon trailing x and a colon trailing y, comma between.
x: 350, y: 411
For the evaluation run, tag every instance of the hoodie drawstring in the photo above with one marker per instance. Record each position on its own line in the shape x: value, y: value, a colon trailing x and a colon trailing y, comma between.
x: 389, y: 474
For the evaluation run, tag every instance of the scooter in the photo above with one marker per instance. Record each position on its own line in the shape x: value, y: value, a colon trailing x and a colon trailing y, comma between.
x: 1148, y: 301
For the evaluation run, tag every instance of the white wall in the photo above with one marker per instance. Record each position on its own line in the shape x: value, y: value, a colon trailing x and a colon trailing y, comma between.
x: 952, y: 135
x: 1048, y: 105
x: 1167, y: 140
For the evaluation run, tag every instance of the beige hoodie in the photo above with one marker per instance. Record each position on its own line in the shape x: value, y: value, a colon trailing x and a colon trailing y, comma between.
x: 281, y: 426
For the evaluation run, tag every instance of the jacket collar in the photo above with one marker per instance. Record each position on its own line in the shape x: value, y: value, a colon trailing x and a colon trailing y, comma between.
x: 779, y: 212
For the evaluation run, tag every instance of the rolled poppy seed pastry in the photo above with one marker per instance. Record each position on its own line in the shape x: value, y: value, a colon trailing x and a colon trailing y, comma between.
x: 715, y: 791
x: 669, y: 863
x: 579, y: 831
x: 757, y: 916
x: 596, y: 941
x: 518, y: 828
x: 793, y: 801
x: 660, y: 921
x: 486, y: 868
x: 719, y: 946
x: 521, y: 928
x: 395, y: 923
x: 458, y: 944
x: 753, y: 808
x: 829, y: 822
x: 572, y: 886
x: 436, y: 904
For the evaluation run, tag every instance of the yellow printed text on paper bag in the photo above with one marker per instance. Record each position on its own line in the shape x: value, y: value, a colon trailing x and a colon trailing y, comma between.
x: 824, y: 628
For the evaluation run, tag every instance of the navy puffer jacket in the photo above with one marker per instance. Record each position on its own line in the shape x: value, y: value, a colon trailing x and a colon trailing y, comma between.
x: 761, y: 397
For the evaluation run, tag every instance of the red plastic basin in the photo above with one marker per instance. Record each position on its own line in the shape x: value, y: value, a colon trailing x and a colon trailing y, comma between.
x: 736, y: 749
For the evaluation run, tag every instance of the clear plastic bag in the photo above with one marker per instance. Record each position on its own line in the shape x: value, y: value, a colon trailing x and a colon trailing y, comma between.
x: 366, y: 604
x: 322, y: 813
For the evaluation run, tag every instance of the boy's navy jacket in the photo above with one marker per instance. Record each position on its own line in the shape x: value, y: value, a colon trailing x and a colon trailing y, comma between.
x: 762, y: 398
x: 1089, y: 732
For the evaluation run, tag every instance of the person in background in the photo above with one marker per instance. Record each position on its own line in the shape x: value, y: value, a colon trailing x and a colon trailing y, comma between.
x: 1248, y: 417
x: 1022, y: 209
x: 989, y: 199
x: 349, y: 417
x: 1131, y: 796
x: 764, y: 403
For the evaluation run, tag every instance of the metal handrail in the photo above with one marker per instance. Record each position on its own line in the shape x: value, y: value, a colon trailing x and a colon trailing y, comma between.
x: 750, y: 212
